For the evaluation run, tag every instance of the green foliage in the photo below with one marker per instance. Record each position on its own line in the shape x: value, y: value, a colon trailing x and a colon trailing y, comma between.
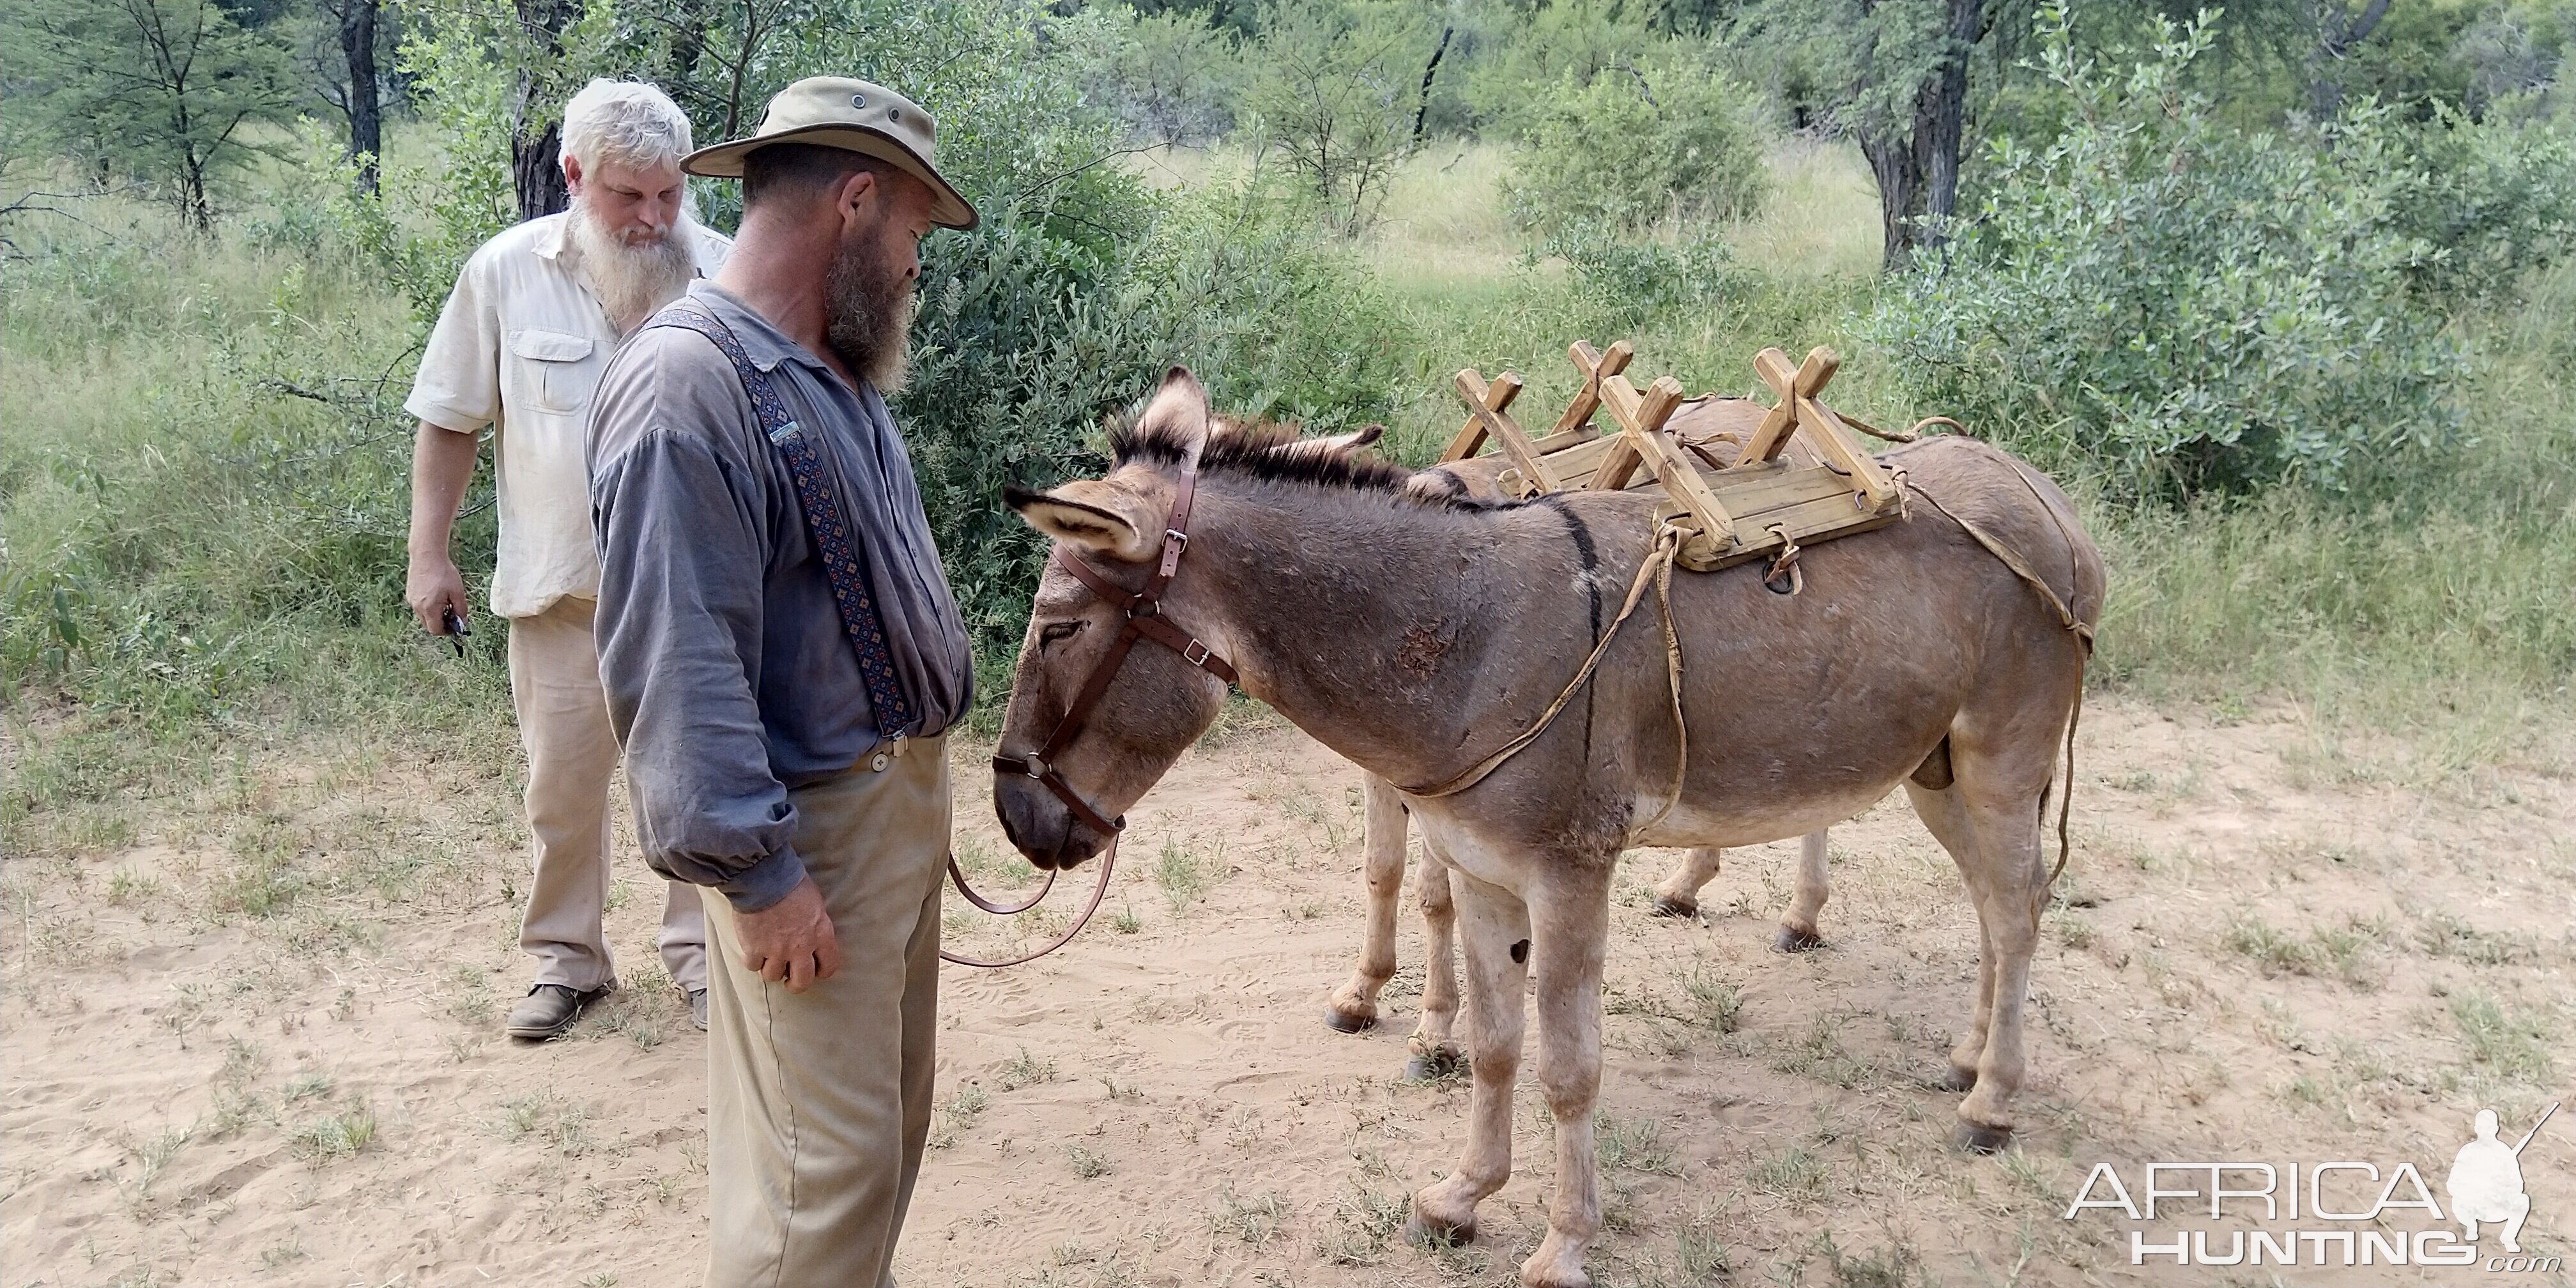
x: 1174, y: 78
x: 2175, y: 306
x: 1675, y: 139
x: 1335, y: 88
x: 1025, y: 343
x: 200, y: 519
x: 165, y: 92
x: 2495, y: 200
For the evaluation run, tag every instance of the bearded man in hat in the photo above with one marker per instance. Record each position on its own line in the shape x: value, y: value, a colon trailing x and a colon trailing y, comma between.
x: 519, y: 347
x: 782, y: 658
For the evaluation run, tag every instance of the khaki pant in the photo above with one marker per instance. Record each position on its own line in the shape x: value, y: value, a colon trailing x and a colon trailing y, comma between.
x: 818, y: 1103
x: 572, y: 755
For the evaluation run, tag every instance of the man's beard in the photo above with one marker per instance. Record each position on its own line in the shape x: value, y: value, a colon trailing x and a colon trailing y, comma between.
x: 633, y: 281
x: 868, y: 312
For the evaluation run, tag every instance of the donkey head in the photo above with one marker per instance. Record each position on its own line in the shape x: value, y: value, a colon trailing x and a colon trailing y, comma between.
x: 1156, y: 703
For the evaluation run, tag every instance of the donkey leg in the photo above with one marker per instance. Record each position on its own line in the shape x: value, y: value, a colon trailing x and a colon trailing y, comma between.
x: 1798, y: 930
x: 1945, y: 815
x: 1434, y: 1045
x: 1495, y: 928
x: 1353, y: 1008
x: 1570, y: 929
x: 1678, y: 896
x: 2008, y: 903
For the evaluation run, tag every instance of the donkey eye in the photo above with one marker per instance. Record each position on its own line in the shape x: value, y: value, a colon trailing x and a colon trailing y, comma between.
x: 1054, y: 631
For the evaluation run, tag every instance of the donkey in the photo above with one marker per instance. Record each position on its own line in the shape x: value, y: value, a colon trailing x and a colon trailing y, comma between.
x: 1403, y: 634
x: 1716, y: 426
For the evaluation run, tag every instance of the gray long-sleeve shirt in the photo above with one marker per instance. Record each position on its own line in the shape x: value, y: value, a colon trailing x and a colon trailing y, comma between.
x: 729, y: 678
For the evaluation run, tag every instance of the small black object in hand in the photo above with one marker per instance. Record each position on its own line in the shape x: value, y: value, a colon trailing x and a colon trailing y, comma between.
x: 456, y: 631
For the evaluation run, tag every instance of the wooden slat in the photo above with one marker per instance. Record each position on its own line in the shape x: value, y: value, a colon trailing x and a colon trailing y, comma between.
x: 1488, y: 402
x: 1809, y: 522
x: 1575, y: 437
x: 1747, y: 495
x: 1577, y: 464
x: 1472, y: 436
x: 1826, y: 433
x: 1595, y: 366
x: 1618, y: 467
x: 1805, y: 381
x: 1641, y: 420
x: 1622, y: 399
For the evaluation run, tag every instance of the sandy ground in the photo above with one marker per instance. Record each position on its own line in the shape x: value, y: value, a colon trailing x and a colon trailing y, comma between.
x: 263, y: 1047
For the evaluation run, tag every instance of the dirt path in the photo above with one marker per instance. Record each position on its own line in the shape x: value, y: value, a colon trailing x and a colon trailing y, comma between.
x: 260, y: 1049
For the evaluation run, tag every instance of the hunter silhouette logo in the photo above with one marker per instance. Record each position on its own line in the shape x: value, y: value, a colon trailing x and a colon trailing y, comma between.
x: 2485, y: 1183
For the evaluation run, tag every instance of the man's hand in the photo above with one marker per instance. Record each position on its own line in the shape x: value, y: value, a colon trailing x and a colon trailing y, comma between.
x: 442, y: 463
x: 791, y: 941
x: 431, y: 586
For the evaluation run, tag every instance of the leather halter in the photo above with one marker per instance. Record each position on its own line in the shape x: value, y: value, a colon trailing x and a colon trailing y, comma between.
x: 1145, y: 620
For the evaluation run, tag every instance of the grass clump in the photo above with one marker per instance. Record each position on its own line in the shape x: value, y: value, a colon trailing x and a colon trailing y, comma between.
x: 1024, y: 1070
x: 2507, y: 1041
x: 1183, y: 874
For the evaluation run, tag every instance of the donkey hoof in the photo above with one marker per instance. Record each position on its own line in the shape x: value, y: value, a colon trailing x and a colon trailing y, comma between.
x: 1341, y: 1021
x: 1977, y: 1138
x: 1957, y: 1079
x: 1423, y: 1232
x: 1667, y: 906
x: 1432, y: 1067
x: 1796, y: 941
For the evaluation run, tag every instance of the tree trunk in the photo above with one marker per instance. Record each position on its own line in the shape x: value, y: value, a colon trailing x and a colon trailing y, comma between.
x: 1899, y: 171
x: 535, y: 136
x: 1918, y: 175
x: 1940, y: 123
x: 1422, y: 110
x: 366, y: 107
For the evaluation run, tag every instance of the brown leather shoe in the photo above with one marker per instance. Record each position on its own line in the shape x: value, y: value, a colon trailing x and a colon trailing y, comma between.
x: 549, y: 1009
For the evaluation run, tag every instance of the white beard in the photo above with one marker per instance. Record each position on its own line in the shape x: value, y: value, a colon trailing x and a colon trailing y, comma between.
x: 633, y: 281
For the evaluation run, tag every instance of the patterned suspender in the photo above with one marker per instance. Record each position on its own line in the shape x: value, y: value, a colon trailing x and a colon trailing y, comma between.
x: 832, y: 538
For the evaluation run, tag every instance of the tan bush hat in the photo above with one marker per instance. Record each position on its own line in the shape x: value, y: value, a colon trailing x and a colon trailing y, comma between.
x: 839, y: 112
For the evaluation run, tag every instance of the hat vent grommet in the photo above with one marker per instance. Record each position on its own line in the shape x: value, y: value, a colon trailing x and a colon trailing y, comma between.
x: 858, y: 100
x: 894, y: 113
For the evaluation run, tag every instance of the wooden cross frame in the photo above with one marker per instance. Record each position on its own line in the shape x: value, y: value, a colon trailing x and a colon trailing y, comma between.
x: 1487, y: 416
x: 1740, y: 512
x: 1797, y: 389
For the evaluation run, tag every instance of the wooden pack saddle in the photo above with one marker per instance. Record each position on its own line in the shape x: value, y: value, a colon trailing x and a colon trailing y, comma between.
x: 1747, y: 481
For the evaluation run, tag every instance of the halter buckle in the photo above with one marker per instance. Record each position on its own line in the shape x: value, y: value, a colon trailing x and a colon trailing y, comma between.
x: 1196, y: 654
x: 1034, y: 767
x: 1177, y: 537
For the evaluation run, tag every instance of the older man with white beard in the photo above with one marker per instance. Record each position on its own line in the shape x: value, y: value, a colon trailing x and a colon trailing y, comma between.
x: 520, y: 347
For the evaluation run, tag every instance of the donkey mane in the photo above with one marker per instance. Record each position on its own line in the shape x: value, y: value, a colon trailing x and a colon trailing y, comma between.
x: 1250, y: 450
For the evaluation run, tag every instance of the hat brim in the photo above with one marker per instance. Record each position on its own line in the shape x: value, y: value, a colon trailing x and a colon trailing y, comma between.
x: 724, y: 161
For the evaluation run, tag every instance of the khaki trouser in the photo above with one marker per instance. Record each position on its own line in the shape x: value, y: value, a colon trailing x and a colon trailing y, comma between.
x: 572, y: 755
x: 818, y: 1103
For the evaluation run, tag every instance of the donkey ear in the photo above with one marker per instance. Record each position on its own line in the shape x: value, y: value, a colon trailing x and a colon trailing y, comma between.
x: 1179, y: 412
x: 1094, y: 514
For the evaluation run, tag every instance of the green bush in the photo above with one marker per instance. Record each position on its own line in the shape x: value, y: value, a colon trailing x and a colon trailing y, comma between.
x: 1174, y: 78
x: 1017, y: 368
x: 2498, y: 200
x: 1334, y: 89
x: 1637, y: 145
x: 2176, y: 307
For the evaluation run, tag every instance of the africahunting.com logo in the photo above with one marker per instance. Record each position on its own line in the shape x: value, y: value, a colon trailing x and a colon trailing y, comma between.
x: 2331, y: 1214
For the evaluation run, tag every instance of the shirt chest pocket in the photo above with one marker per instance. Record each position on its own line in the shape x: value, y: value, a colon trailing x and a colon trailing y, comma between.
x: 549, y: 371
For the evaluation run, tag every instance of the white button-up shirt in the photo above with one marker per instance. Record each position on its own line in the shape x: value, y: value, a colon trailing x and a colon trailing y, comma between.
x: 519, y: 347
